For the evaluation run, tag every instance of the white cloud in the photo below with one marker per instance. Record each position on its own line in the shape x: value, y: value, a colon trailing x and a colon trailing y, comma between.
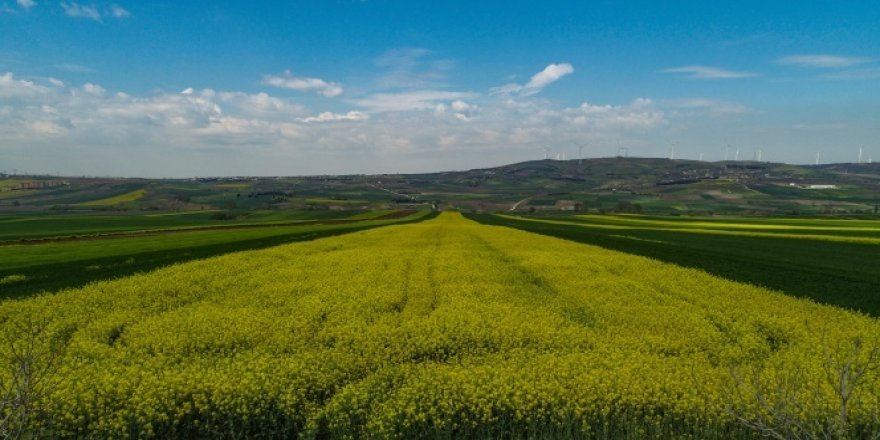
x: 406, y: 101
x: 538, y: 81
x: 260, y: 105
x: 76, y: 10
x: 93, y: 89
x: 333, y: 117
x: 56, y: 82
x: 46, y: 128
x: 186, y: 131
x: 460, y: 106
x: 639, y: 114
x: 92, y: 12
x: 823, y: 61
x: 13, y: 88
x: 550, y: 74
x: 26, y: 4
x: 304, y: 84
x: 706, y: 72
x: 463, y: 110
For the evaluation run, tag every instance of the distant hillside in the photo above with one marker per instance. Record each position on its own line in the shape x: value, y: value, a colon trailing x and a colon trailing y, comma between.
x: 646, y: 185
x: 655, y: 186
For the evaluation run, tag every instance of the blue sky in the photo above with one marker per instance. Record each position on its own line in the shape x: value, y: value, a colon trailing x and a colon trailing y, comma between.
x: 277, y: 88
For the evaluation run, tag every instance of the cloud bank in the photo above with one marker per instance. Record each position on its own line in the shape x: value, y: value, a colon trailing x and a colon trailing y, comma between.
x: 198, y: 131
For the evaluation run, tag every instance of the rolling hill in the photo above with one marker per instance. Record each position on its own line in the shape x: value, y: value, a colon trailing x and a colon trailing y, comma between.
x: 634, y: 185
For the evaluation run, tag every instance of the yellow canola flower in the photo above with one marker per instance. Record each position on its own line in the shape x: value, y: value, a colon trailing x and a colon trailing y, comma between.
x: 444, y: 328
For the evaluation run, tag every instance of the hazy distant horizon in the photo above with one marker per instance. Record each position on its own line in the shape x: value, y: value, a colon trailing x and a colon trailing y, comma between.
x: 170, y: 89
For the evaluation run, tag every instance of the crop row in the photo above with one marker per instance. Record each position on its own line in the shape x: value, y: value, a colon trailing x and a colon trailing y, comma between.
x: 440, y: 329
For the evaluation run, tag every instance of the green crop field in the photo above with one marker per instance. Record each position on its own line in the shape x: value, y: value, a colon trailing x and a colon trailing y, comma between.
x: 440, y: 329
x: 43, y: 225
x: 44, y: 265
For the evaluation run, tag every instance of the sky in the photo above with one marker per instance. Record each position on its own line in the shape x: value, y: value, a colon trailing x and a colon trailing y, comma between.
x: 199, y: 88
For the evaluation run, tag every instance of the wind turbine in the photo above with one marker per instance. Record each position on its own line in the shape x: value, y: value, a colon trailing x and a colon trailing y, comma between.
x: 701, y: 157
x: 581, y: 153
x: 672, y: 150
x: 726, y: 151
x: 860, y: 154
x: 817, y: 158
x: 546, y: 152
x: 736, y: 157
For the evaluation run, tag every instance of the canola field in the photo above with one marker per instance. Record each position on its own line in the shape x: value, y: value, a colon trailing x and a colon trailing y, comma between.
x: 439, y: 329
x: 116, y: 200
x: 832, y: 261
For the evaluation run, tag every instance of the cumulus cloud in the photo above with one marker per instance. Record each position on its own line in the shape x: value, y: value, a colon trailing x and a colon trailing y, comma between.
x: 93, y: 89
x: 260, y: 105
x: 428, y: 129
x: 538, y: 81
x: 26, y: 4
x: 706, y: 72
x: 823, y: 61
x: 639, y: 114
x: 303, y: 84
x: 11, y: 88
x: 335, y: 117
